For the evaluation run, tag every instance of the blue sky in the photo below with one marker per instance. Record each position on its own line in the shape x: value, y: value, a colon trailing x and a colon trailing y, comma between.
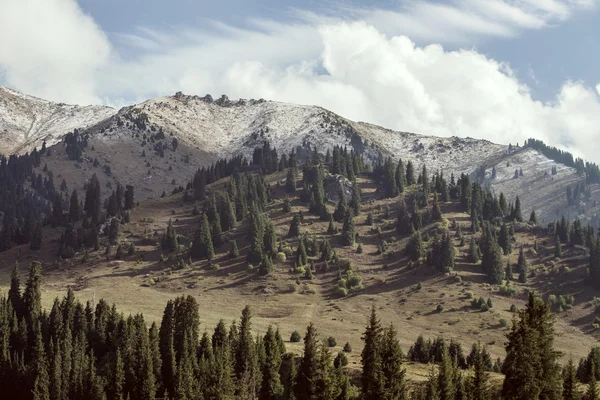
x: 502, y: 70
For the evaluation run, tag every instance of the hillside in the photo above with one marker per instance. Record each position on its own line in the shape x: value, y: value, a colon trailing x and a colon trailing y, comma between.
x: 27, y: 121
x: 406, y: 295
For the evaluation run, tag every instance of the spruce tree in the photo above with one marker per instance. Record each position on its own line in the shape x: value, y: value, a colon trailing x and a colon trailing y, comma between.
x: 294, y: 230
x: 348, y: 231
x: 523, y: 267
x: 592, y: 391
x: 557, y: 248
x: 290, y: 181
x: 480, y: 389
x: 356, y: 198
x: 305, y: 387
x: 410, y: 174
x: 391, y: 365
x: 14, y: 293
x: 234, y: 252
x: 504, y: 240
x: 569, y: 391
x: 202, y: 246
x: 74, y: 207
x: 372, y: 378
x: 517, y: 214
x: 533, y: 218
x: 41, y: 384
x: 415, y: 248
x: 531, y: 369
x: 473, y: 251
x: 446, y: 376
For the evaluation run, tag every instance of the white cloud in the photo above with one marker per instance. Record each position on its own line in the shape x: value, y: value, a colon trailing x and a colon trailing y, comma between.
x: 51, y: 49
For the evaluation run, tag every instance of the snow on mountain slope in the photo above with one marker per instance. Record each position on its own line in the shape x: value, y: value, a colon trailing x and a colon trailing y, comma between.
x: 26, y: 121
x: 225, y: 128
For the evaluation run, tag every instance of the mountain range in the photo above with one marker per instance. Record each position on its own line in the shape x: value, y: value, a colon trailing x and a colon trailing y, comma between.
x: 128, y: 145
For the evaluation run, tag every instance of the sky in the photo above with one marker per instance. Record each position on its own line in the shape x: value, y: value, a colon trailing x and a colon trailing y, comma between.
x: 501, y: 70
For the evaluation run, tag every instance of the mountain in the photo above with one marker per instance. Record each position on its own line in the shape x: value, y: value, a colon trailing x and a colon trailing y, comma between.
x: 26, y: 121
x: 135, y: 145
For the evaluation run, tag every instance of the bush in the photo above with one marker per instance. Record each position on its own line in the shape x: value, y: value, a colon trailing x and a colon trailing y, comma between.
x: 484, y: 307
x: 457, y: 279
x: 331, y: 342
x: 440, y: 308
x: 469, y: 294
x: 295, y: 337
x: 359, y: 249
x: 354, y: 281
x: 503, y: 322
x: 508, y: 290
x: 341, y: 291
x: 288, y: 251
x: 419, y: 286
x: 280, y: 257
x: 513, y: 308
x: 347, y: 348
x: 489, y: 302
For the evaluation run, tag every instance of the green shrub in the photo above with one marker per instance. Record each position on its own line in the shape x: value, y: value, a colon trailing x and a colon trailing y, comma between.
x: 440, y: 308
x: 503, y: 322
x: 331, y: 342
x: 347, y: 348
x: 457, y: 279
x: 280, y: 257
x: 295, y: 337
x: 419, y: 286
x: 484, y: 307
x: 340, y: 360
x: 341, y: 291
x: 508, y: 290
x: 354, y: 281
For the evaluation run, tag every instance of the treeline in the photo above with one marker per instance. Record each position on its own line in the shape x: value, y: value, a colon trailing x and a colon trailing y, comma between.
x: 590, y: 170
x: 91, y: 351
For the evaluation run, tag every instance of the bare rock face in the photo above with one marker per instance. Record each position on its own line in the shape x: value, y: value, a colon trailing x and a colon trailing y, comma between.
x: 334, y: 185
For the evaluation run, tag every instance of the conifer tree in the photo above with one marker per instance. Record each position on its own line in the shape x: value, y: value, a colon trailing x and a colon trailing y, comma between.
x: 557, y: 248
x: 326, y: 383
x: 294, y: 230
x: 202, y: 246
x: 508, y: 274
x: 410, y: 174
x: 341, y: 209
x: 592, y: 391
x: 118, y: 379
x: 504, y: 240
x: 41, y: 385
x: 256, y: 237
x: 569, y: 391
x: 245, y: 363
x: 74, y: 207
x: 372, y: 373
x: 14, y: 293
x: 473, y: 251
x: 415, y: 248
x: 517, y: 214
x: 356, y: 198
x: 523, y: 267
x: 530, y: 368
x: 391, y: 365
x: 480, y: 389
x: 290, y: 181
x: 348, y: 231
x: 446, y: 376
x: 533, y: 218
x: 305, y: 387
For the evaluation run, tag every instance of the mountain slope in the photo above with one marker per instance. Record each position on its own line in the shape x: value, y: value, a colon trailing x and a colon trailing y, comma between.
x: 26, y: 121
x: 130, y: 142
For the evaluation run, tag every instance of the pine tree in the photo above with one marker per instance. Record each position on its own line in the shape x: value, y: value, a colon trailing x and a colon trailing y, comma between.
x: 169, y: 240
x: 508, y: 274
x: 290, y: 181
x: 592, y: 392
x: 202, y: 246
x: 391, y: 365
x: 305, y: 387
x: 533, y: 218
x: 523, y: 267
x: 348, y: 231
x: 341, y: 209
x: 118, y: 379
x: 332, y: 229
x: 569, y: 391
x: 557, y: 248
x: 446, y: 376
x: 530, y: 368
x: 372, y: 374
x: 356, y: 198
x: 14, y: 293
x: 271, y: 388
x: 294, y: 230
x: 504, y: 240
x: 415, y: 248
x: 480, y: 389
x: 74, y: 207
x: 245, y: 363
x: 410, y: 174
x: 41, y: 385
x: 517, y: 214
x: 473, y: 251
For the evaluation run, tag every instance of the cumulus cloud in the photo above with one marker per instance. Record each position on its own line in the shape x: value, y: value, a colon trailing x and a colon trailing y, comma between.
x: 51, y: 49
